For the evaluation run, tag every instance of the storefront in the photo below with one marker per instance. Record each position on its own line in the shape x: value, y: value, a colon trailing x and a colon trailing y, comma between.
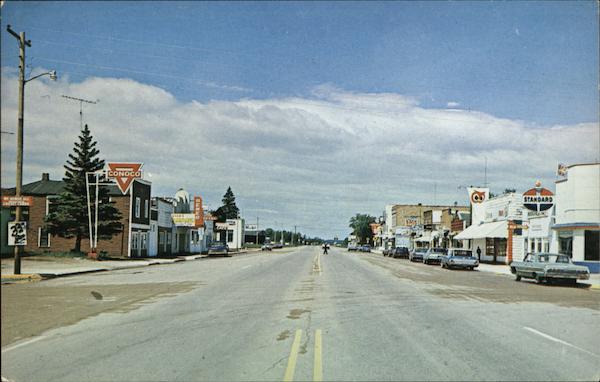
x: 576, y: 231
x: 488, y: 241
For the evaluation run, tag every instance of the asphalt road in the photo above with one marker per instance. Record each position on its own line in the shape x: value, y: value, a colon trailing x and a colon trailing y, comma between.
x: 296, y: 315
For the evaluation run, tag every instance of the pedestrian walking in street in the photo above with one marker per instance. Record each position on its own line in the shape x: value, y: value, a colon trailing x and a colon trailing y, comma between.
x: 325, y: 247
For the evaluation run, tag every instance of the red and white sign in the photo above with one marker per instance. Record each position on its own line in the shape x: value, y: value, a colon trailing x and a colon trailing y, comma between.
x: 538, y: 199
x: 124, y: 174
x: 14, y: 201
x: 198, y: 212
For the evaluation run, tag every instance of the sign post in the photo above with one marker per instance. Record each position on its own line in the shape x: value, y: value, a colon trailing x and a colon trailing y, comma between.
x: 123, y: 175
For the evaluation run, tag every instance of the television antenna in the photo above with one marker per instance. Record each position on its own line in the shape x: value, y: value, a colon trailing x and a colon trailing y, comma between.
x: 81, y: 101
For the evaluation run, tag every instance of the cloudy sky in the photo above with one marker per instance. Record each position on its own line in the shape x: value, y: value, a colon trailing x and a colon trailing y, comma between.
x: 310, y: 112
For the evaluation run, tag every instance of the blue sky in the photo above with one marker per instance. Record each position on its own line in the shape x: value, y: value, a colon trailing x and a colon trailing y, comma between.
x: 534, y: 61
x: 311, y: 111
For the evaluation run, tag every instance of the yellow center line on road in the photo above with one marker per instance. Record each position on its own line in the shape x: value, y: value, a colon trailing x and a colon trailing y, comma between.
x: 318, y: 367
x: 291, y: 366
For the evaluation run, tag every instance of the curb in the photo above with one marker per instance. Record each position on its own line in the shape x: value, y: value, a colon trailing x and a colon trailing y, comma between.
x: 48, y: 276
x: 25, y: 277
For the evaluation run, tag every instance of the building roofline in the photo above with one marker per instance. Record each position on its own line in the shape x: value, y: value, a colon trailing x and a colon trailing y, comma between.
x: 584, y: 164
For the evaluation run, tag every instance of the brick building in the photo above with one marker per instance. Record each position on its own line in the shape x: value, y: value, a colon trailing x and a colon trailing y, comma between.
x: 45, y: 192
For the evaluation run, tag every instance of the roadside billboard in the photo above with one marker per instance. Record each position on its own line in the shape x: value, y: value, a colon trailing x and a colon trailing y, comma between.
x: 183, y: 220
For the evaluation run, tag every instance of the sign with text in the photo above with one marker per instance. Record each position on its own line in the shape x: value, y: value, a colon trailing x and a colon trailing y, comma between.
x: 538, y: 199
x: 198, y: 212
x: 183, y: 220
x: 225, y: 226
x: 251, y: 227
x: 17, y: 233
x: 124, y: 174
x: 14, y: 201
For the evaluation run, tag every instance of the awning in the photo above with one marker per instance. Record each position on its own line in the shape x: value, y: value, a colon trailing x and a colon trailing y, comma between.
x: 491, y: 230
x: 423, y: 239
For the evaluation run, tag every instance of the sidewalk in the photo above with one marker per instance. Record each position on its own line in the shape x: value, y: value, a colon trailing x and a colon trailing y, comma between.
x: 46, y: 267
x: 41, y: 267
x: 501, y: 269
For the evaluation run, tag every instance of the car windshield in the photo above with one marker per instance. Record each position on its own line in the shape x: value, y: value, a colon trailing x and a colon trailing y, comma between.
x: 299, y: 190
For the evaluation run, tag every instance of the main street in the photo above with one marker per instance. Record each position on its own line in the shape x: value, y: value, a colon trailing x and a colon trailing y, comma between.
x: 298, y: 315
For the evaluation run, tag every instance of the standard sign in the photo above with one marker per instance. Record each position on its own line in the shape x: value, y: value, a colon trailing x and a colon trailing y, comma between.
x: 538, y: 199
x: 17, y: 201
x: 17, y: 233
x: 124, y: 174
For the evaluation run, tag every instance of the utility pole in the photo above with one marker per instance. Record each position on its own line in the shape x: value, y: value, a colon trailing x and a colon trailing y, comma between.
x: 81, y: 101
x: 293, y: 237
x: 22, y: 43
x: 257, y: 230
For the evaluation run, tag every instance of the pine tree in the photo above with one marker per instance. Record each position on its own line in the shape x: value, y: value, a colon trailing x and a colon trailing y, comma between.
x: 69, y: 214
x: 228, y: 210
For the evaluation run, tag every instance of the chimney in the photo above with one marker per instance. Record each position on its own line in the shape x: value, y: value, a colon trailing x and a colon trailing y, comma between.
x: 45, y: 176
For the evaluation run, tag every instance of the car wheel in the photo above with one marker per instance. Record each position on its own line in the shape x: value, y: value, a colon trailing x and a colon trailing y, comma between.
x: 518, y: 278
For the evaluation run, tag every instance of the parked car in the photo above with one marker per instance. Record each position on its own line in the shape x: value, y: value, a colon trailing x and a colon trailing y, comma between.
x: 365, y: 248
x: 417, y: 254
x: 352, y: 248
x: 459, y: 258
x: 434, y: 255
x: 400, y: 253
x: 277, y: 245
x: 267, y: 247
x: 387, y: 251
x: 549, y: 267
x: 218, y: 249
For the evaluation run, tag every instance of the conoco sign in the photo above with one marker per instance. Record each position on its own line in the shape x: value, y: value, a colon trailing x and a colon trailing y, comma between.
x: 124, y: 174
x: 538, y: 199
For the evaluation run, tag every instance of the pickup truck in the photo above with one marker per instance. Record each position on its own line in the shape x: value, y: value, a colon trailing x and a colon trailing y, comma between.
x: 549, y: 267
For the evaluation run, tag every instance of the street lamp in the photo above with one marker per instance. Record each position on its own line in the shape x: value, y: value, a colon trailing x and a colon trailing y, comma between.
x: 22, y: 81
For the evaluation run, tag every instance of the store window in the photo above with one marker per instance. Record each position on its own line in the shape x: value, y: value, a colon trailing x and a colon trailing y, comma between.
x: 137, y: 206
x: 43, y: 238
x: 135, y: 240
x: 539, y: 246
x: 144, y: 240
x: 146, y: 208
x: 565, y: 243
x: 592, y: 246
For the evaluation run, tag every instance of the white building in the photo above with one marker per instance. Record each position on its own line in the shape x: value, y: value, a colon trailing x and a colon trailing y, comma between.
x: 161, y: 227
x: 231, y: 232
x: 576, y: 230
x: 489, y: 239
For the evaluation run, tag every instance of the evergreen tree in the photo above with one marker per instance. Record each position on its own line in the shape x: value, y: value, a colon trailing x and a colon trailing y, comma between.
x: 228, y: 210
x: 68, y: 217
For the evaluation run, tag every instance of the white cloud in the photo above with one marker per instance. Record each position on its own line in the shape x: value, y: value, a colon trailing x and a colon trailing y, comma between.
x: 452, y: 104
x: 311, y: 162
